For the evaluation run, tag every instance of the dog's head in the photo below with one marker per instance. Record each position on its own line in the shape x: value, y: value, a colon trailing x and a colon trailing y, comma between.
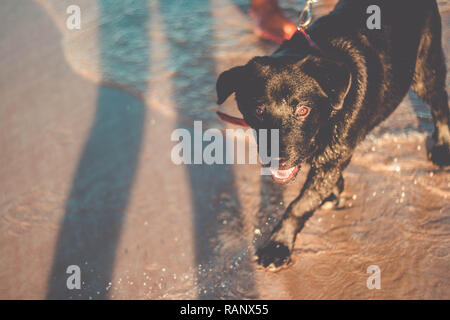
x: 296, y: 97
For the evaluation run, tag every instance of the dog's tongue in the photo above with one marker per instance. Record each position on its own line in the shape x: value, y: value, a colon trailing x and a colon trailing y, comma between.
x: 283, y: 176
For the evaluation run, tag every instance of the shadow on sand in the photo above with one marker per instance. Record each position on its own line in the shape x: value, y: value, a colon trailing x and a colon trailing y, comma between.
x: 213, y: 189
x: 100, y: 192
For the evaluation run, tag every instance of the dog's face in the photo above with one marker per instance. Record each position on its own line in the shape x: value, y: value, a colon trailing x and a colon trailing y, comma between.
x: 295, y: 97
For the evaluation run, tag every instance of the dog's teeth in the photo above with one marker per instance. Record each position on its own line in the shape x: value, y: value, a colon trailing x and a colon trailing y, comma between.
x: 282, y: 174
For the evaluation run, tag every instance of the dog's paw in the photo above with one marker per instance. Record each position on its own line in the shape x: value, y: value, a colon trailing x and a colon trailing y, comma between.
x: 274, y: 255
x: 440, y: 155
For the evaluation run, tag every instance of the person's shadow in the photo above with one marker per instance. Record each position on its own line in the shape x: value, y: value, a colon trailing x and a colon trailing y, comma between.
x: 221, y: 252
x: 100, y: 191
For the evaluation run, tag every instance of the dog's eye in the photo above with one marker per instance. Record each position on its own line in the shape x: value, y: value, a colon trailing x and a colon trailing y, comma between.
x: 259, y: 111
x: 302, y: 112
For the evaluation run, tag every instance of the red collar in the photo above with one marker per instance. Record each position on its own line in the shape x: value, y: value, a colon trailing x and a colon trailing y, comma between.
x: 230, y: 119
x: 311, y: 42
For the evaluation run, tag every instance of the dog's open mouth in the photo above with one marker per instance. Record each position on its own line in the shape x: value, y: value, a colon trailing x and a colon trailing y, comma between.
x: 284, y: 176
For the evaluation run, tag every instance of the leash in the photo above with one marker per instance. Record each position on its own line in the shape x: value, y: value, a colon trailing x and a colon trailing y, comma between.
x: 305, y: 16
x: 305, y: 19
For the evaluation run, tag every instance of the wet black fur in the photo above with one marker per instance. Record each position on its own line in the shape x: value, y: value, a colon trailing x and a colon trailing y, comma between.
x: 355, y: 82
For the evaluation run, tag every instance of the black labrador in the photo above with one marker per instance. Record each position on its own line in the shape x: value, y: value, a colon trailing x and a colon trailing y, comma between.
x: 326, y: 89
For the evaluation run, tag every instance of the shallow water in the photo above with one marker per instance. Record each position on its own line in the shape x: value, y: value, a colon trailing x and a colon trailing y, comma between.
x: 190, y: 232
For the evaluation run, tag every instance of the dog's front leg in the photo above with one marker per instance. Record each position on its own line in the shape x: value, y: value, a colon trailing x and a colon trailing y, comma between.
x: 321, y: 182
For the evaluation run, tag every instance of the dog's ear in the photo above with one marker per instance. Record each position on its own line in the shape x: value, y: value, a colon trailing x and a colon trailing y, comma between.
x: 334, y: 78
x: 228, y: 82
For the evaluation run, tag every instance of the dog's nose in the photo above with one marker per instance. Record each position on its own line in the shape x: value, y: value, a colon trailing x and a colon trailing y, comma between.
x: 281, y: 161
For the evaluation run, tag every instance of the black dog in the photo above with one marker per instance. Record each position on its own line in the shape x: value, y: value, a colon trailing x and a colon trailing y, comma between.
x: 325, y: 99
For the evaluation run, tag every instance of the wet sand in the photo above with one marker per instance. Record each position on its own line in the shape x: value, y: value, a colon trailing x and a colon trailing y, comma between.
x: 86, y: 175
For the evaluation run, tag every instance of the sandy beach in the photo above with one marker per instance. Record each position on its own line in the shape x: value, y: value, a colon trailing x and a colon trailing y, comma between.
x: 86, y: 176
